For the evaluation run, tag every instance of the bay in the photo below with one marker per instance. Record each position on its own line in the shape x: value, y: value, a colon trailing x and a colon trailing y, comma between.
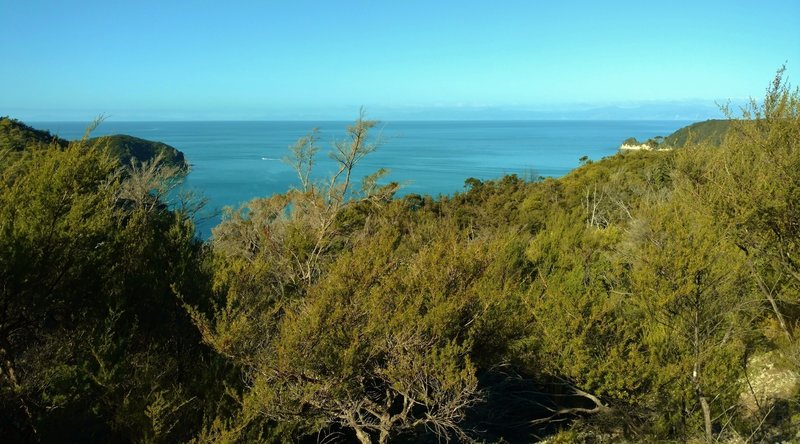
x: 233, y: 162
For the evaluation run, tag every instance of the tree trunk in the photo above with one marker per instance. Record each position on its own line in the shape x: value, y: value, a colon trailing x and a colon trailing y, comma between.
x: 704, y: 404
x: 384, y: 436
x: 772, y: 302
x: 362, y: 435
x: 386, y: 422
x: 696, y: 377
x: 706, y: 418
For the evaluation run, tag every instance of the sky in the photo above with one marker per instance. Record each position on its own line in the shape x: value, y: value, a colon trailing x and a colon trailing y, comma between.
x: 409, y: 59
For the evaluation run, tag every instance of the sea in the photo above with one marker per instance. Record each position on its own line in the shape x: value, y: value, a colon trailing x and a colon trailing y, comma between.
x: 234, y: 162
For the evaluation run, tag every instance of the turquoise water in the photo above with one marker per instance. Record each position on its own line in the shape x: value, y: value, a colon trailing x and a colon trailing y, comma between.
x: 233, y: 162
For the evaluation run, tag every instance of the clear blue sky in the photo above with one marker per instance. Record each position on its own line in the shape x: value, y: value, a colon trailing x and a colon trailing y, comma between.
x: 152, y: 60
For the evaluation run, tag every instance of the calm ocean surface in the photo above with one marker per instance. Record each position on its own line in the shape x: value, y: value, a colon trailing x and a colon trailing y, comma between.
x: 233, y: 162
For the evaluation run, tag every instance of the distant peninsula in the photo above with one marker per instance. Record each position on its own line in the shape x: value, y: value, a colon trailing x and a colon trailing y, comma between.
x: 711, y: 132
x: 17, y: 136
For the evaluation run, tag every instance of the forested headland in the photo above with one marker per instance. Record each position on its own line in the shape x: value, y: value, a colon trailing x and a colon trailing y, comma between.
x: 651, y: 296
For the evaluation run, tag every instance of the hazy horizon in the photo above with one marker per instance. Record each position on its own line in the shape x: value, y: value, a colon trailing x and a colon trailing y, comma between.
x: 679, y: 111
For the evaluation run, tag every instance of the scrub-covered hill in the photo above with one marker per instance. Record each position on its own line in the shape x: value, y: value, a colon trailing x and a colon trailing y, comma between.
x: 709, y: 132
x: 712, y: 132
x: 17, y: 136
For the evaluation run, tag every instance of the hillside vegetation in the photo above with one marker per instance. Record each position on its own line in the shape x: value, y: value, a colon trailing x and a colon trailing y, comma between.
x: 16, y: 136
x: 652, y: 296
x: 709, y: 132
x: 712, y: 132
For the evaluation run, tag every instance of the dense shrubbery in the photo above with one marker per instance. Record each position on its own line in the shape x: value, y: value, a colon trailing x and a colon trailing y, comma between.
x: 94, y: 343
x: 634, y: 299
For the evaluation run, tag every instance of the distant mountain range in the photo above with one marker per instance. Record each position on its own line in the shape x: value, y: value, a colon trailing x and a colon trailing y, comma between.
x: 689, y: 110
x: 686, y: 110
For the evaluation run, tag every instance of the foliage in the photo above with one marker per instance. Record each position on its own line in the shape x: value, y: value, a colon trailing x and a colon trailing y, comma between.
x: 638, y: 298
x: 94, y: 344
x: 341, y: 318
x: 711, y: 132
x: 16, y: 136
